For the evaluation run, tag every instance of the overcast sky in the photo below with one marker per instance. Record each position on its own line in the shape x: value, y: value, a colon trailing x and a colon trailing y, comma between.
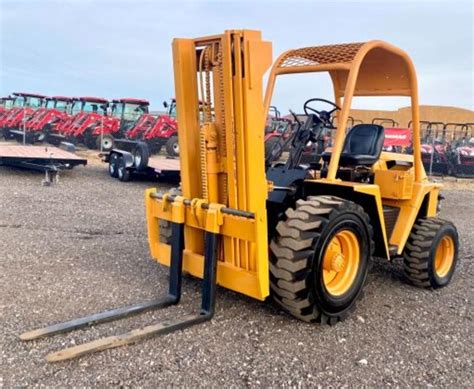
x: 123, y: 48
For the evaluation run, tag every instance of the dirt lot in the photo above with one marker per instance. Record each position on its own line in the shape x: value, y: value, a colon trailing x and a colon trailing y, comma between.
x: 81, y: 246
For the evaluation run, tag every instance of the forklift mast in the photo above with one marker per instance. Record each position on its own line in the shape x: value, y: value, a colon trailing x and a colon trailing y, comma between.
x: 222, y: 158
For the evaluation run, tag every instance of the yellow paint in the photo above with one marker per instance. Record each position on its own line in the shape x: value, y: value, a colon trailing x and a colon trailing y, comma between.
x: 444, y: 257
x: 222, y: 158
x: 218, y: 157
x: 341, y: 262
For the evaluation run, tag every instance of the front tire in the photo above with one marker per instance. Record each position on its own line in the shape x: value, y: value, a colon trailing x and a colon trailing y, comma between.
x: 431, y: 253
x: 172, y: 146
x: 320, y: 258
x: 90, y: 140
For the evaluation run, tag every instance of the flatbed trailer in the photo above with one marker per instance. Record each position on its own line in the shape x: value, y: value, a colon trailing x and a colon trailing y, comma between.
x: 124, y: 164
x: 40, y: 158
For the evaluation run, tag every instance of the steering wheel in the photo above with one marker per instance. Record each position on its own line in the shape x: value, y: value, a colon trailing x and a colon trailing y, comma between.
x: 324, y: 116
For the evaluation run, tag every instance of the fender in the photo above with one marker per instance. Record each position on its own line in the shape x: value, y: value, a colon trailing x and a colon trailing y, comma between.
x: 366, y: 195
x: 128, y: 157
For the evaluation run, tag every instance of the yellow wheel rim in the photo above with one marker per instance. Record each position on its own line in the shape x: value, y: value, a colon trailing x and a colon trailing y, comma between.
x: 341, y: 262
x: 444, y: 256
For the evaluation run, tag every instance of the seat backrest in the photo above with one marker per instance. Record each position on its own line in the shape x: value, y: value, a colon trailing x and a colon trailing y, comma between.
x: 364, y: 139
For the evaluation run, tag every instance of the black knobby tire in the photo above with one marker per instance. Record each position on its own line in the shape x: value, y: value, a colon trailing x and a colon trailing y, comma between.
x: 165, y: 225
x: 155, y: 147
x: 419, y: 255
x: 7, y: 134
x: 113, y: 165
x: 123, y: 173
x: 141, y: 155
x: 270, y: 144
x: 172, y: 146
x: 297, y: 253
x: 89, y: 140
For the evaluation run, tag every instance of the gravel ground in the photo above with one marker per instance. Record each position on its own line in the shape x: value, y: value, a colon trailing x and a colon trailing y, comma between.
x: 81, y: 246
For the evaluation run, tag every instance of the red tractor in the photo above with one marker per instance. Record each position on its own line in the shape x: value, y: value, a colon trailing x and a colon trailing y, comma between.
x: 85, y: 112
x: 278, y: 130
x: 125, y: 114
x: 164, y: 132
x: 154, y: 130
x: 24, y: 106
x: 40, y: 123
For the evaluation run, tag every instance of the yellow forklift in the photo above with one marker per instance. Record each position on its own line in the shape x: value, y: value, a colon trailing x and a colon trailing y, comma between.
x: 302, y: 233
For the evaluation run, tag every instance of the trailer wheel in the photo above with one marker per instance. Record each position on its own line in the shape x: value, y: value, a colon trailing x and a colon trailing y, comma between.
x: 106, y: 143
x: 431, y: 253
x: 141, y: 155
x: 113, y: 165
x: 123, y: 173
x: 320, y: 258
x: 172, y: 146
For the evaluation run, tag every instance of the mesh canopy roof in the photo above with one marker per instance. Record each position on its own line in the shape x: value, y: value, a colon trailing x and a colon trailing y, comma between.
x: 383, y: 70
x: 308, y: 56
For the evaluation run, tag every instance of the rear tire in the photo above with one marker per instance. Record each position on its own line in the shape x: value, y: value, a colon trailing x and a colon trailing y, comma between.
x: 320, y: 258
x: 172, y: 146
x: 431, y: 253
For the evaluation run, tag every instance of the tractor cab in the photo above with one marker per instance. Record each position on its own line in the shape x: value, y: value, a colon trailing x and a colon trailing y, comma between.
x: 60, y: 103
x: 28, y: 100
x: 6, y: 103
x: 90, y: 105
x: 128, y: 111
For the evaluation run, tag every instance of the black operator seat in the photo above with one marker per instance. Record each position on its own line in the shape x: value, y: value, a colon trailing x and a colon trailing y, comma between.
x: 362, y: 146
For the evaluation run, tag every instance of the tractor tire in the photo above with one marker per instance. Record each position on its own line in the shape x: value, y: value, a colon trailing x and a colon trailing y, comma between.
x: 89, y: 140
x: 113, y: 165
x: 123, y: 173
x: 155, y: 147
x: 165, y: 225
x: 106, y: 143
x: 6, y: 133
x: 141, y: 155
x: 431, y: 253
x: 269, y: 146
x: 40, y: 137
x: 320, y: 258
x: 172, y: 146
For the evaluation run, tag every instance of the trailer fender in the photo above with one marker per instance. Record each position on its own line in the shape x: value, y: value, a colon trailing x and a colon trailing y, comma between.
x: 128, y: 157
